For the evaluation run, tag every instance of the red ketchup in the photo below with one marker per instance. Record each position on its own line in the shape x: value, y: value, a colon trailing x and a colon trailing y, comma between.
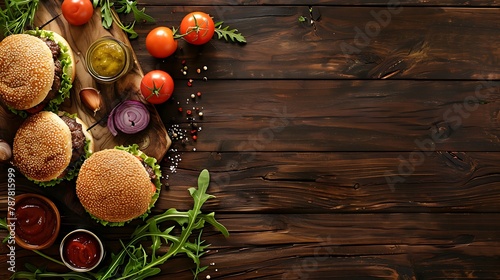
x: 36, y: 221
x: 81, y: 250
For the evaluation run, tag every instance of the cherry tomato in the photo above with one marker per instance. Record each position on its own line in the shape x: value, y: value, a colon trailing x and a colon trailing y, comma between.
x: 157, y: 86
x: 160, y: 42
x: 77, y: 12
x: 197, y: 27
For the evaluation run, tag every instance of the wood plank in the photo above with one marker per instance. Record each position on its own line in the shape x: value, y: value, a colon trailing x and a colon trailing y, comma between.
x: 414, y: 43
x: 330, y: 115
x: 293, y: 182
x: 341, y: 182
x: 371, y: 246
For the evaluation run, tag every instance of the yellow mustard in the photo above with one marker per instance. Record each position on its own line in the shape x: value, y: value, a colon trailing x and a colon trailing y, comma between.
x: 108, y: 58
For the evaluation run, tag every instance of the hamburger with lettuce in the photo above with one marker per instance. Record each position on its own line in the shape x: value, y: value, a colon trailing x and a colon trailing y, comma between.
x: 118, y: 185
x: 49, y: 148
x: 37, y: 69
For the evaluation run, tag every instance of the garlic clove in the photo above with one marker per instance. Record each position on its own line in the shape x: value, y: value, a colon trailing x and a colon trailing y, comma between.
x: 91, y: 98
x: 5, y: 151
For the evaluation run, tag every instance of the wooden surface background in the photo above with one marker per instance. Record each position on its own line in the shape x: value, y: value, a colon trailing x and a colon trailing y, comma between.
x: 334, y: 155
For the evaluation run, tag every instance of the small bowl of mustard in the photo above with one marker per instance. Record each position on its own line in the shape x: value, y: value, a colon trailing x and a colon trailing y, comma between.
x: 108, y: 59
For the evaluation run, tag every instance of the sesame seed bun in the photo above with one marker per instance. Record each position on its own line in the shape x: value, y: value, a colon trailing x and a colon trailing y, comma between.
x: 26, y: 71
x: 113, y: 186
x: 42, y: 147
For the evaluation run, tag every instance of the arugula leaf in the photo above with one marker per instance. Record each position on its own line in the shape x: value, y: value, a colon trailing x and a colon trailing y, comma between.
x: 232, y: 35
x: 18, y: 14
x: 109, y: 15
x: 133, y: 260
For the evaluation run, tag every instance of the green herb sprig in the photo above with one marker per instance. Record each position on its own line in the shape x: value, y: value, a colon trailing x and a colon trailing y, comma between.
x: 17, y: 15
x: 121, y: 7
x: 232, y: 35
x: 134, y: 261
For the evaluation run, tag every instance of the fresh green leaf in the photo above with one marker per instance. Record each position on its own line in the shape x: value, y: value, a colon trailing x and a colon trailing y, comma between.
x: 17, y: 16
x: 232, y: 35
x: 122, y: 7
x: 3, y: 224
x: 133, y: 261
x: 210, y: 218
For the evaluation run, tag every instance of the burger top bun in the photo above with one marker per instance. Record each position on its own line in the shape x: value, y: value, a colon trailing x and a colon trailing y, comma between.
x: 26, y: 71
x: 114, y: 186
x: 42, y: 147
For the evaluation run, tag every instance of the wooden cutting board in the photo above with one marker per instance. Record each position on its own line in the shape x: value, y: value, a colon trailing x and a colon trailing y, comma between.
x: 154, y: 140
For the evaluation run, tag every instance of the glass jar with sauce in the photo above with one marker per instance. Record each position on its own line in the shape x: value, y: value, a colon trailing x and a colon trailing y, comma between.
x: 81, y: 250
x: 108, y: 59
x: 36, y: 221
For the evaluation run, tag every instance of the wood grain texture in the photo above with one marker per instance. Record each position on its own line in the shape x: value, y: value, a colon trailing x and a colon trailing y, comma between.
x: 330, y: 115
x: 313, y: 3
x: 293, y: 182
x: 328, y: 246
x: 378, y: 164
x: 346, y: 43
x: 80, y: 38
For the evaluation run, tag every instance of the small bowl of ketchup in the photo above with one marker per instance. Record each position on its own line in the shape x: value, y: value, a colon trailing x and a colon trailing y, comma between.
x: 81, y: 250
x: 36, y: 221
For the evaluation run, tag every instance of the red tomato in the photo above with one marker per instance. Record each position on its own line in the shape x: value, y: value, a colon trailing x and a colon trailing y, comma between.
x: 160, y: 42
x: 77, y: 12
x: 197, y: 28
x: 157, y: 86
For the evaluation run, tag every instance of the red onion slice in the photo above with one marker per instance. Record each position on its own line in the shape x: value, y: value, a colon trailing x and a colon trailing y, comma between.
x: 129, y: 117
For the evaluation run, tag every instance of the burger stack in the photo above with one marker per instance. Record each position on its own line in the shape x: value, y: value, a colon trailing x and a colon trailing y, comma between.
x: 114, y: 186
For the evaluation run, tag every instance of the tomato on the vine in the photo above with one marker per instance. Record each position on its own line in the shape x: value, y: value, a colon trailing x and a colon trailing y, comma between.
x: 197, y: 28
x: 77, y: 12
x: 160, y: 42
x: 157, y: 86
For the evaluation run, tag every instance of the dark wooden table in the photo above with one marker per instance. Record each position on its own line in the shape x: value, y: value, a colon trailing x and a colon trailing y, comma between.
x: 362, y: 143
